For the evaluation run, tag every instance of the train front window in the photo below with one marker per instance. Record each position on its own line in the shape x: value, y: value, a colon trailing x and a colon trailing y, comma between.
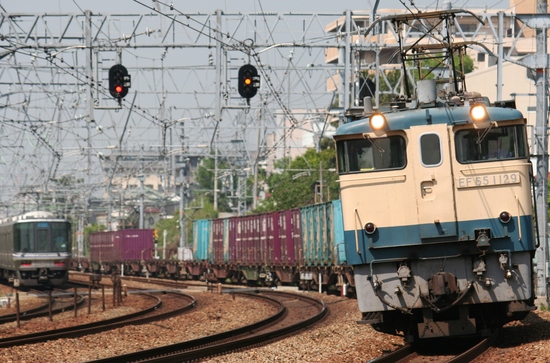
x: 492, y: 144
x: 42, y: 237
x: 24, y: 237
x: 60, y: 236
x: 371, y: 154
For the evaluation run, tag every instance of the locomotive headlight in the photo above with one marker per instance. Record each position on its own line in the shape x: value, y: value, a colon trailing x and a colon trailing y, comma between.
x: 504, y: 217
x: 478, y: 112
x: 377, y: 121
x: 370, y: 228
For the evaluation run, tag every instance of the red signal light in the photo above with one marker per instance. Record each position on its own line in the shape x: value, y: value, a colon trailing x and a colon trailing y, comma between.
x: 119, y: 81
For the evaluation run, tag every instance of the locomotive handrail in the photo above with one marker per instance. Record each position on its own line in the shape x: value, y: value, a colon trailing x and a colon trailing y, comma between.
x: 377, y: 178
x: 519, y: 219
x: 356, y: 234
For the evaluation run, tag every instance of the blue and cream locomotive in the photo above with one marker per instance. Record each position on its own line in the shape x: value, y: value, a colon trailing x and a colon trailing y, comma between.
x: 437, y: 208
x: 35, y: 249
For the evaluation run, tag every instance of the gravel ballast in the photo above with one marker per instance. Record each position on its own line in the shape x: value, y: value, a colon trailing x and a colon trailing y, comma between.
x: 338, y: 338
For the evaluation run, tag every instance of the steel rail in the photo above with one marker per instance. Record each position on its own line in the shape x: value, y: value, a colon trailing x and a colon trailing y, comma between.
x: 102, y: 325
x: 218, y: 344
x: 408, y: 352
x: 477, y: 349
x: 41, y: 311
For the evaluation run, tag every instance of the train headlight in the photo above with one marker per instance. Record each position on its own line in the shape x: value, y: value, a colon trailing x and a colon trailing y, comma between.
x: 377, y: 121
x: 478, y: 112
x: 370, y: 228
x: 504, y: 217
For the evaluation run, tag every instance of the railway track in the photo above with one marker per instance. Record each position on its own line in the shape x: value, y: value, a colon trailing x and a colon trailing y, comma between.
x: 60, y: 301
x: 463, y: 352
x: 295, y: 312
x: 85, y: 277
x: 172, y: 303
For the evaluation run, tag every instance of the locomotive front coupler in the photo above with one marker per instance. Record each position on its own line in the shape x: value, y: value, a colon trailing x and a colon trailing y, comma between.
x: 404, y: 273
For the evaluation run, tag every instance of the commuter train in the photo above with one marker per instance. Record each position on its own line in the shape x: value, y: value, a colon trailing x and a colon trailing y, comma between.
x: 35, y: 249
x: 438, y: 213
x: 301, y: 247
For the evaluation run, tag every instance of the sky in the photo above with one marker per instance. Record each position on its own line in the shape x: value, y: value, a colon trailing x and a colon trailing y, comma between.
x: 34, y: 163
x: 244, y: 6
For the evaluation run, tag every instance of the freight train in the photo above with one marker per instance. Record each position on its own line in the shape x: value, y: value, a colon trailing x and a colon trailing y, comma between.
x: 437, y: 209
x: 35, y: 249
x: 302, y: 247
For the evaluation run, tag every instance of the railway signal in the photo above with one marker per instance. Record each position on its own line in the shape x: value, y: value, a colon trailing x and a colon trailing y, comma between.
x: 249, y: 81
x: 119, y: 81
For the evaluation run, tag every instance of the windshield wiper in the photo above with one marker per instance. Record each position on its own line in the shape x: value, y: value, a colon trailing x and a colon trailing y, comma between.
x: 374, y: 142
x: 485, y: 133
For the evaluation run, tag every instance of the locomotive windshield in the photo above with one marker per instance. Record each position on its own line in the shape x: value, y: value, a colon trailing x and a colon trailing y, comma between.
x: 365, y: 155
x: 493, y: 144
x: 39, y: 237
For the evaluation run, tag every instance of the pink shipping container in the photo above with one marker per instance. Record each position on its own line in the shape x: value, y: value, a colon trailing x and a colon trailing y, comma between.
x: 254, y: 256
x: 218, y: 255
x: 245, y: 240
x: 270, y: 251
x: 127, y: 244
x: 291, y: 237
x: 235, y: 240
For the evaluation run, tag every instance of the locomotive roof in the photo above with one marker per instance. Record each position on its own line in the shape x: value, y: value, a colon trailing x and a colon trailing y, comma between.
x: 450, y: 115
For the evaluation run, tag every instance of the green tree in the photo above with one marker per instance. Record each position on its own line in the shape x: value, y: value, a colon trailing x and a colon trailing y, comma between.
x: 92, y: 228
x: 296, y: 185
x: 205, y: 178
x: 172, y: 228
x: 428, y: 66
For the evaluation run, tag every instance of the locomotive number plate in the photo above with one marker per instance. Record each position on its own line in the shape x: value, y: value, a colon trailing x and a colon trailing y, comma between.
x: 487, y: 180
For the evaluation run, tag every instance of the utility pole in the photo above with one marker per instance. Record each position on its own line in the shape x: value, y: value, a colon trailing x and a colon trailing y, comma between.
x: 539, y: 63
x: 183, y: 230
x: 141, y: 198
x: 218, y: 102
x: 542, y: 151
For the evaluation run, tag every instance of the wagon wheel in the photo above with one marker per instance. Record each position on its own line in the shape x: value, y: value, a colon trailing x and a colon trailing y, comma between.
x: 277, y: 282
x: 313, y: 286
x: 244, y: 280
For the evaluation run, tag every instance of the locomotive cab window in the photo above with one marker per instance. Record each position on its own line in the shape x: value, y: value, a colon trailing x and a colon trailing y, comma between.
x: 492, y: 144
x: 368, y: 154
x: 430, y: 150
